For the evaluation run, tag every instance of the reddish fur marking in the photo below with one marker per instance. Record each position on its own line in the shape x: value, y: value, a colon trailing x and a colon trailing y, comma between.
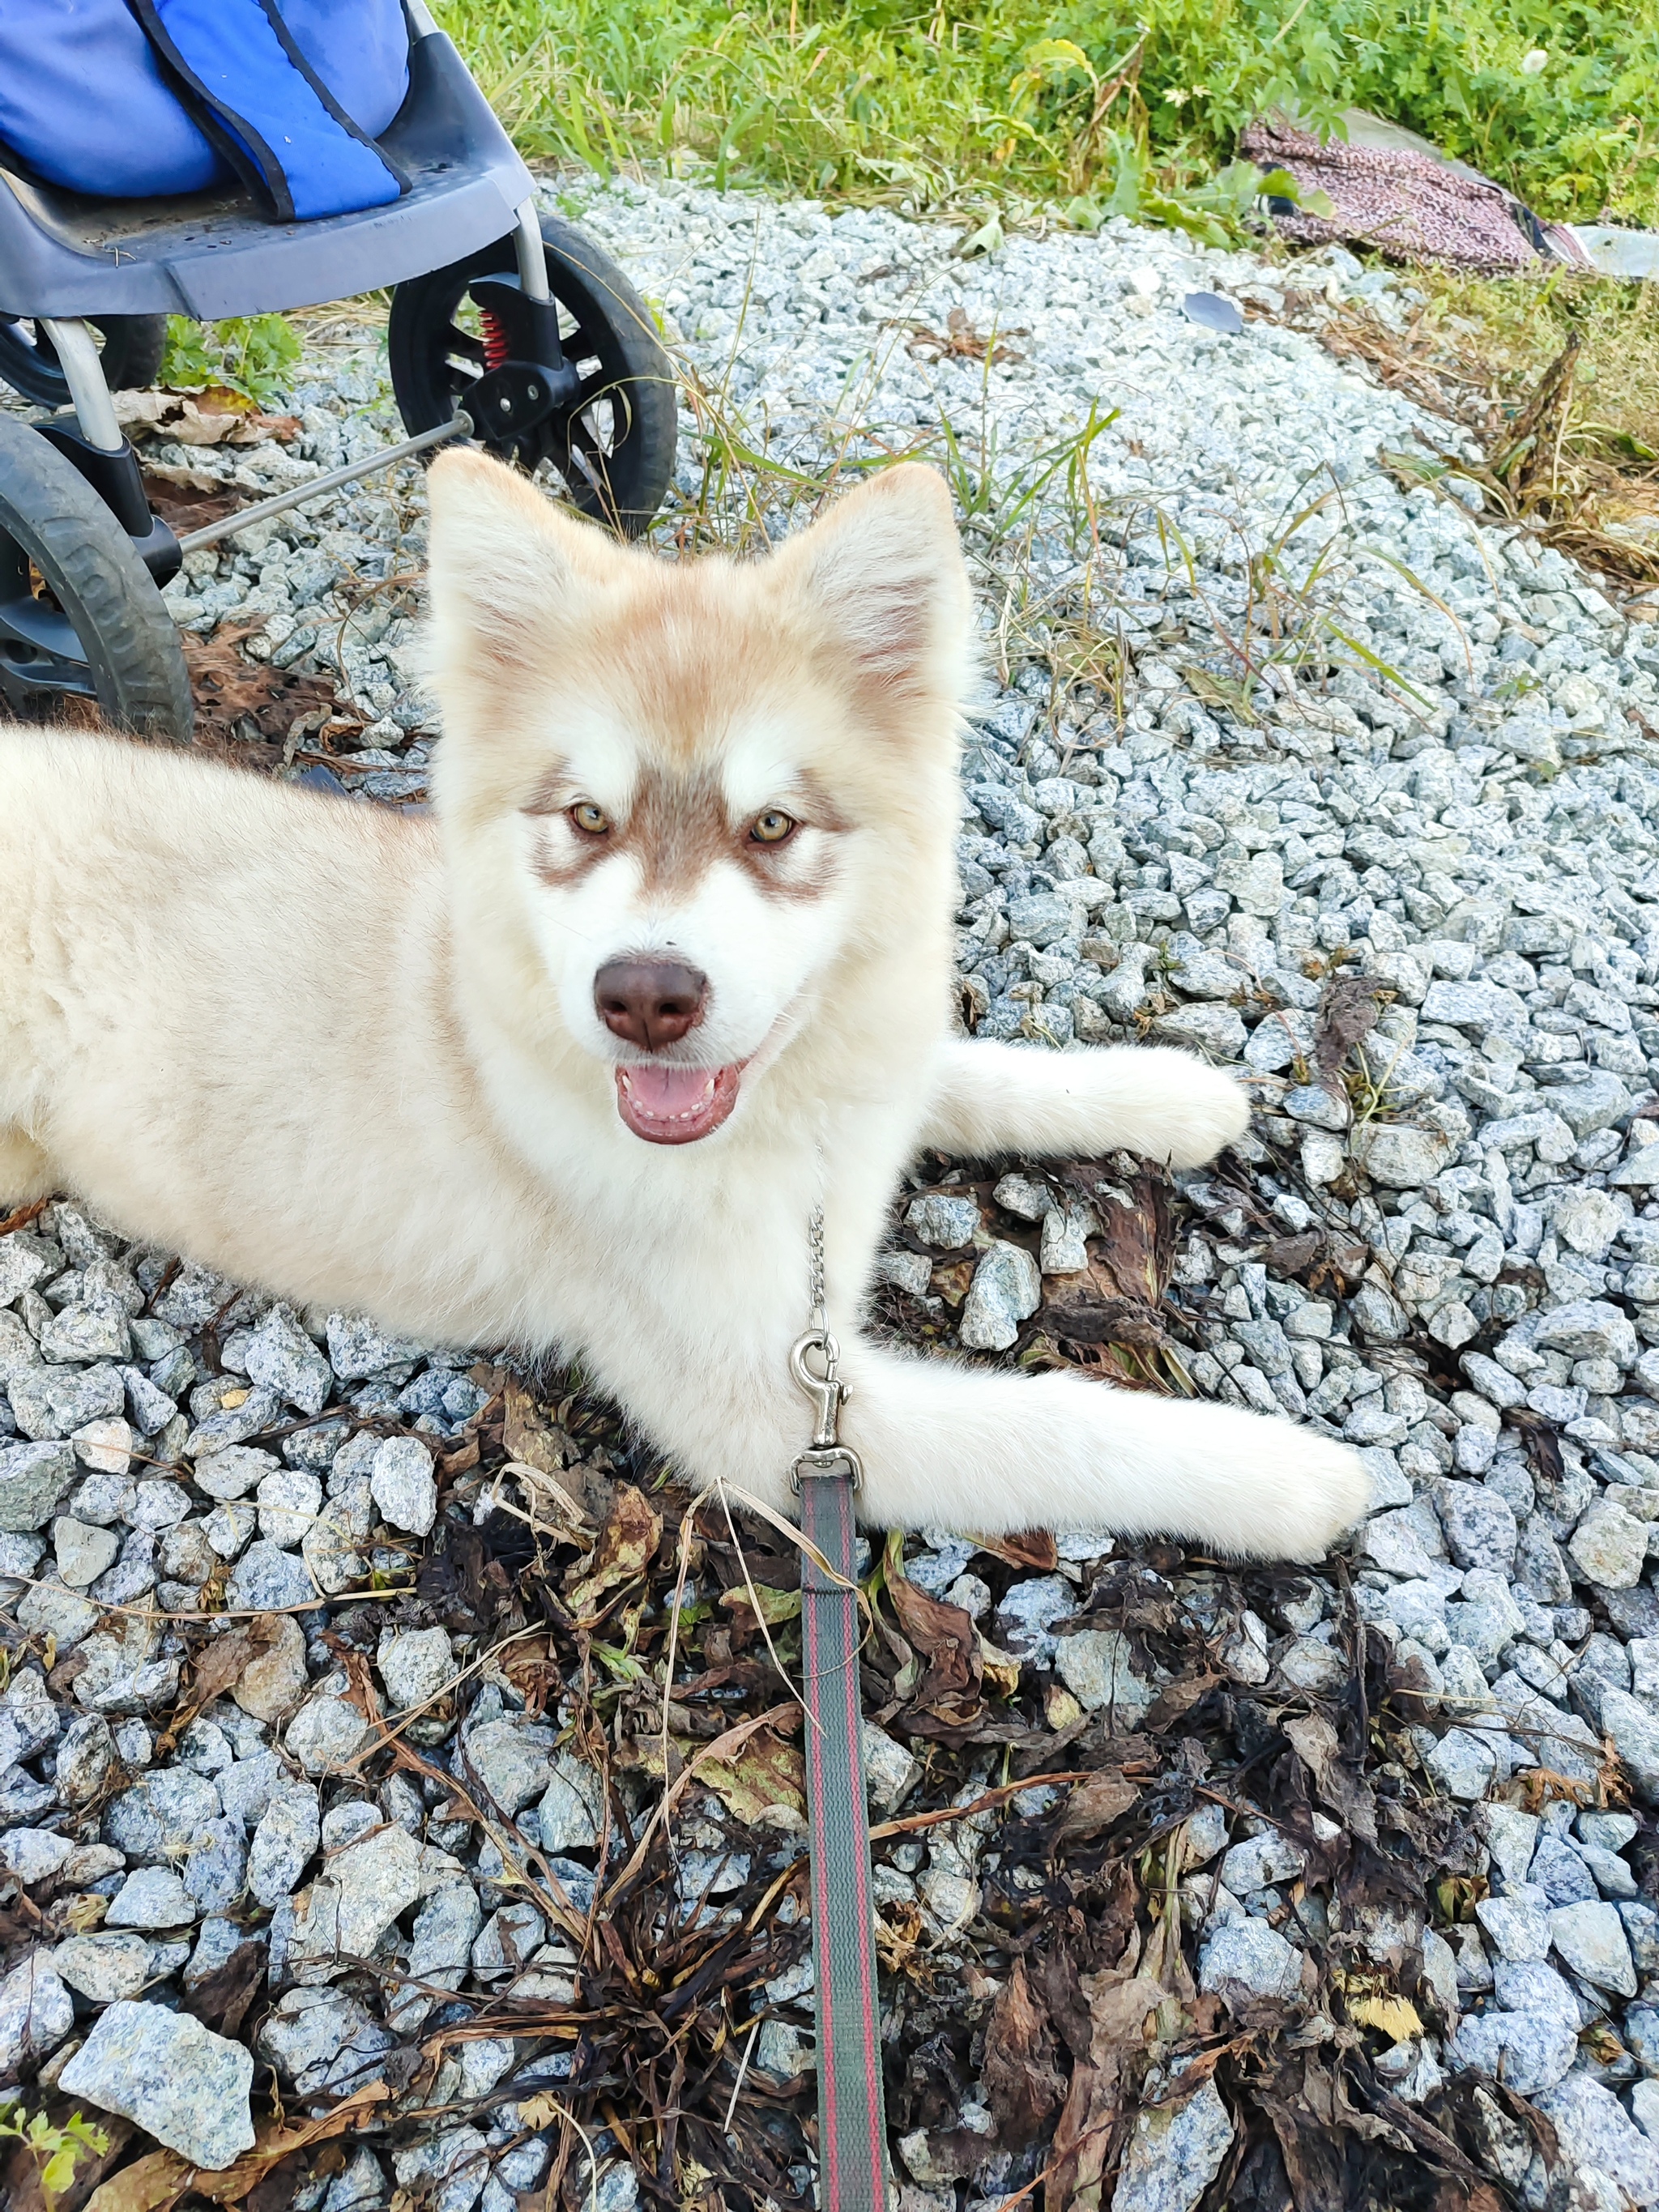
x: 678, y: 829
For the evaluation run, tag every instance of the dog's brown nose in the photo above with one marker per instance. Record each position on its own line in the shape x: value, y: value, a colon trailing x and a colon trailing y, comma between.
x: 650, y: 1003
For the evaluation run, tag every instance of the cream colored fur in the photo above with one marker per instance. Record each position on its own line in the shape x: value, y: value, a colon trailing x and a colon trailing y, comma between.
x: 349, y: 1054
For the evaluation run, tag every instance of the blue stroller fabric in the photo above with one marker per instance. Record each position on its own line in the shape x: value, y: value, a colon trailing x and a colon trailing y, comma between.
x: 268, y: 112
x: 87, y: 103
x: 84, y: 102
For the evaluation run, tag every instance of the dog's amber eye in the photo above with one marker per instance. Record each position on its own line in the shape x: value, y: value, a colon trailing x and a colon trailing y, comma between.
x: 772, y: 827
x: 592, y: 821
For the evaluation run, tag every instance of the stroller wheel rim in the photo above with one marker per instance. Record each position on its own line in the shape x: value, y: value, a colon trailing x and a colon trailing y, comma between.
x: 41, y: 656
x: 565, y: 432
x: 610, y: 446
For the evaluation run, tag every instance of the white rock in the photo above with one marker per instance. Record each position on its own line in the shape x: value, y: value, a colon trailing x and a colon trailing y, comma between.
x: 171, y: 2076
x: 415, y: 1665
x: 1246, y: 1958
x: 104, y: 1968
x: 1463, y: 1763
x: 1596, y: 2135
x: 1006, y: 1291
x: 270, y: 1686
x: 1609, y: 1546
x: 361, y: 1890
x: 288, y: 1500
x: 1174, y: 2153
x: 943, y: 1221
x: 1097, y: 1667
x: 151, y: 1896
x: 403, y: 1485
x: 571, y: 1813
x: 1399, y: 1155
x: 325, y: 1734
x: 891, y: 1772
x: 36, y: 2013
x: 1591, y: 1939
x: 33, y: 1855
x: 1261, y: 1859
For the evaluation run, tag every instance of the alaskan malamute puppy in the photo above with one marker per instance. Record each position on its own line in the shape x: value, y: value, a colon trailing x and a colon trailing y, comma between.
x: 571, y: 1062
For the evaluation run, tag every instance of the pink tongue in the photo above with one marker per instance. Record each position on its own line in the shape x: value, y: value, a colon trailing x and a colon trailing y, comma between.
x: 663, y: 1091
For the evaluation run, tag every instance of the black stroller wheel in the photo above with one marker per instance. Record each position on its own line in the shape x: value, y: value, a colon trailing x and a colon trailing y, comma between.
x: 614, y: 445
x: 81, y: 618
x: 131, y: 356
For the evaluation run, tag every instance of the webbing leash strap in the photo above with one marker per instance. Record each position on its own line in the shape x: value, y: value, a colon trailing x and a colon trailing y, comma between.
x: 851, y: 2124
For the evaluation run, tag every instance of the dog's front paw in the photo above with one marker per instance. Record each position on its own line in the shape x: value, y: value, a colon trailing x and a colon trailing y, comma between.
x: 1318, y: 1488
x: 1208, y: 1110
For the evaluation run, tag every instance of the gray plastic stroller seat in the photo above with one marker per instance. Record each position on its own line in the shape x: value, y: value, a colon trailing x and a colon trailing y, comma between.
x: 213, y: 254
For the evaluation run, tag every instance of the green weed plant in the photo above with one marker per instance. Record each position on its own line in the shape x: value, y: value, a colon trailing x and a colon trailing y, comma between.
x: 934, y: 106
x: 57, y: 2150
x: 248, y: 355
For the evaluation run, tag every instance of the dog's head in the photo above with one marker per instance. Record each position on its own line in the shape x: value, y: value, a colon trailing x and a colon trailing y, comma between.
x: 669, y: 789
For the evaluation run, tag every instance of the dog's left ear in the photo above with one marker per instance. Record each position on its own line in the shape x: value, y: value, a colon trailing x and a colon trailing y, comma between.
x: 884, y: 570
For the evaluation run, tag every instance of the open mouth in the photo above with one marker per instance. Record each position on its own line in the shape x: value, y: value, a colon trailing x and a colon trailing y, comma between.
x: 669, y: 1105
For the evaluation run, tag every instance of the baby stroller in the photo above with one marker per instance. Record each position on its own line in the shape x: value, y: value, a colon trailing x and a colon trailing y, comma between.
x: 513, y: 331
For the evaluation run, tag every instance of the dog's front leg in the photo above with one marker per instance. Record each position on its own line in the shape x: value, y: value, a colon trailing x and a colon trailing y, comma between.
x: 970, y: 1450
x: 990, y: 1098
x: 25, y: 1173
x: 947, y: 1445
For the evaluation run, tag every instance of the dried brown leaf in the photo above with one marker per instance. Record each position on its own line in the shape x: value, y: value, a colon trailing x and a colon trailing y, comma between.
x: 942, y: 1634
x: 274, y: 2144
x: 1347, y: 1011
x: 229, y: 690
x: 628, y: 1543
x: 1343, y: 1788
x: 764, y: 1772
x: 221, y: 2000
x: 213, y: 418
x: 1136, y: 1245
x: 1289, y: 1256
x: 1120, y: 2007
x: 530, y: 1432
x: 1178, y: 1699
x: 1031, y: 1549
x: 1096, y: 1804
x: 1083, y: 2140
x: 1023, y: 2087
x: 150, y: 2185
x: 1082, y: 1318
x: 220, y: 1665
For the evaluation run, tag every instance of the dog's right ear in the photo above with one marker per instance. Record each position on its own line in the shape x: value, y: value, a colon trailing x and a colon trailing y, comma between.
x: 504, y: 565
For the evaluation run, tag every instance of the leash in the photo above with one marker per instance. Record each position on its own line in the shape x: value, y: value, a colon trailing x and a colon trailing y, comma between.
x: 851, y: 2124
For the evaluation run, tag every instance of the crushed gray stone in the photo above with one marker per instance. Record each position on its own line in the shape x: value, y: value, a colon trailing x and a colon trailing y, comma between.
x: 1485, y: 854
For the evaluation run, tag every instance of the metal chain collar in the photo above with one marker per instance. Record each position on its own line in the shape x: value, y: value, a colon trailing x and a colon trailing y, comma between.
x: 826, y: 1454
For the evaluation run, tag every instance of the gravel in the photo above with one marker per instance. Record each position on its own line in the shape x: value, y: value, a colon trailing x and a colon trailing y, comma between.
x: 1183, y: 857
x: 1097, y: 1667
x: 174, y: 2078
x: 1247, y: 1958
x: 1175, y: 2153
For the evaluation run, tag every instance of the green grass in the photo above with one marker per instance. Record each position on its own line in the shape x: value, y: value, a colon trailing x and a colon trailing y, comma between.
x: 938, y: 106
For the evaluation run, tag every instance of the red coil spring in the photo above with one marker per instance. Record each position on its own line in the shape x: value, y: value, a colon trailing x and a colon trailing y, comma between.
x: 496, y: 344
